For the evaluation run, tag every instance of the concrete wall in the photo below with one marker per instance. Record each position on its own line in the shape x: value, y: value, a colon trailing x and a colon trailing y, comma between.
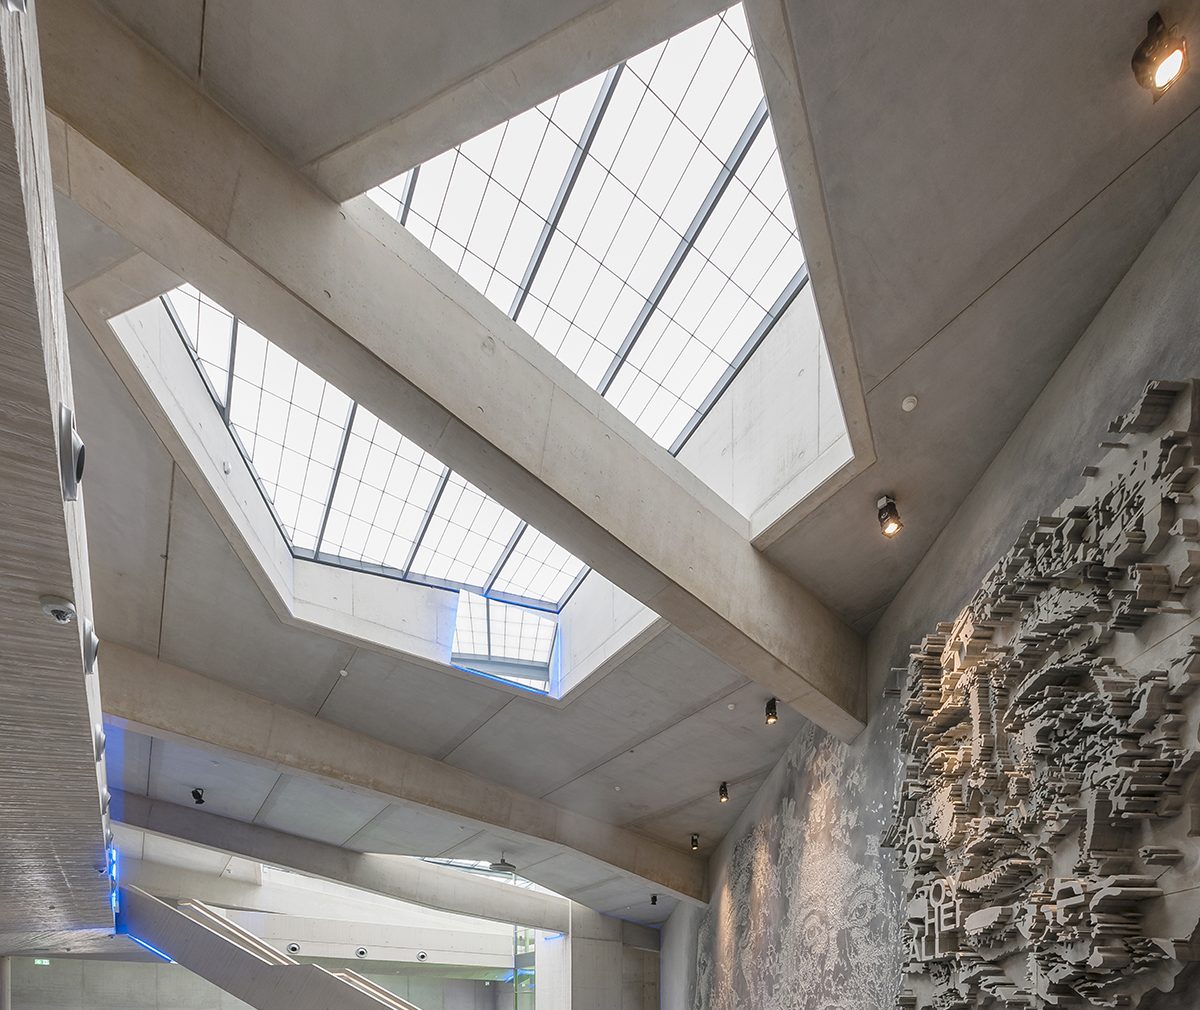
x: 1147, y: 329
x: 78, y: 984
x: 778, y: 430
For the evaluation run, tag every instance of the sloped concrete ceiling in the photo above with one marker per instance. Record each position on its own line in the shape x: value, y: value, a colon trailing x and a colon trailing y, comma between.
x: 989, y: 175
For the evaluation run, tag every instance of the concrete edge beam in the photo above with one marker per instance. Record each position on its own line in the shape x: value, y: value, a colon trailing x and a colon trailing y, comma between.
x: 771, y: 34
x: 150, y: 696
x: 401, y: 877
x: 585, y: 46
x: 351, y: 293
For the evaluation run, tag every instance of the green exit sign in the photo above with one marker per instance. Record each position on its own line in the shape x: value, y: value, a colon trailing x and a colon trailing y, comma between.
x: 41, y: 960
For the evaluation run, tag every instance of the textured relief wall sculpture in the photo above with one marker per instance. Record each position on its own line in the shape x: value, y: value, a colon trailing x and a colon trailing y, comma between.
x: 806, y: 914
x: 1044, y: 822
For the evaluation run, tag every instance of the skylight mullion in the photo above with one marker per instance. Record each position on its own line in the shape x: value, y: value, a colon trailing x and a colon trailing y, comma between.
x: 229, y: 378
x: 410, y: 187
x: 781, y: 303
x: 337, y: 473
x: 720, y: 184
x: 508, y: 553
x: 568, y: 184
x: 426, y: 520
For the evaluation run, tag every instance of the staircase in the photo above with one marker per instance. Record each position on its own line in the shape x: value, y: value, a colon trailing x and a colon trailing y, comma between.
x: 235, y: 960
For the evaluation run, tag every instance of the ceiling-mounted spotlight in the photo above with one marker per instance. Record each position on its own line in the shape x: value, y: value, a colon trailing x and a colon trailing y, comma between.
x: 889, y: 516
x: 695, y: 843
x: 1160, y: 58
x: 654, y: 899
x: 772, y: 712
x: 198, y: 796
x: 723, y: 792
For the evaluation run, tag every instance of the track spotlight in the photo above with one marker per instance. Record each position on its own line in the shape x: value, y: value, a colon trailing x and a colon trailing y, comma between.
x: 198, y: 796
x: 723, y: 792
x: 1160, y: 58
x: 695, y: 843
x: 889, y: 516
x: 772, y: 712
x: 654, y: 899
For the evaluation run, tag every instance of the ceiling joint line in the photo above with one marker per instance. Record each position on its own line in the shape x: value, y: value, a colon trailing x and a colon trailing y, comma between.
x: 426, y: 519
x: 566, y: 187
x: 724, y: 176
x: 337, y: 475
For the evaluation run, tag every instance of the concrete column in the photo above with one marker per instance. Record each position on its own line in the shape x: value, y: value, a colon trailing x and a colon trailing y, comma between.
x: 5, y: 983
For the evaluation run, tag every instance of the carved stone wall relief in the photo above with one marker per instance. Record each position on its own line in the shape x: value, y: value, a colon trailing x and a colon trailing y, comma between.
x: 1050, y: 733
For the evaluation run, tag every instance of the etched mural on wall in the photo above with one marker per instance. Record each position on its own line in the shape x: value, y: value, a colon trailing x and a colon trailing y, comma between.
x: 806, y: 915
x: 1044, y: 823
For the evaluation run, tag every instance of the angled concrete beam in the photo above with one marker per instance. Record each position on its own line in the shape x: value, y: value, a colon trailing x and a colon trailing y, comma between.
x: 354, y: 295
x: 150, y: 696
x: 401, y: 877
x: 585, y: 46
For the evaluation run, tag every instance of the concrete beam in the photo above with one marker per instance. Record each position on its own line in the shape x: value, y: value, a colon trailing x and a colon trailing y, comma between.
x: 770, y: 31
x: 153, y: 697
x: 586, y: 46
x: 354, y: 295
x: 401, y: 877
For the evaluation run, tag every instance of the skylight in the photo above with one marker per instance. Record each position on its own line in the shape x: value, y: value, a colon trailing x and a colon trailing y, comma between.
x: 637, y: 226
x: 501, y: 640
x: 348, y: 489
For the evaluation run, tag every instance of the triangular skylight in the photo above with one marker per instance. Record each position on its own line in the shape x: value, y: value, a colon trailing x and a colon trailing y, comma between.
x: 638, y: 225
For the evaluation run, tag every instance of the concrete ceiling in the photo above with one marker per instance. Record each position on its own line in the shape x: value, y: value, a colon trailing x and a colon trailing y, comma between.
x: 310, y: 84
x: 644, y: 746
x: 988, y: 178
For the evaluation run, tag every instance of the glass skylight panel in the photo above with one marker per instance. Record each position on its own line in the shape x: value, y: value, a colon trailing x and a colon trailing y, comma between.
x: 489, y: 629
x: 471, y: 626
x: 660, y: 267
x: 467, y: 535
x: 347, y: 487
x: 208, y: 329
x: 538, y: 569
x: 520, y: 634
x: 483, y: 205
x: 291, y: 423
x: 385, y: 487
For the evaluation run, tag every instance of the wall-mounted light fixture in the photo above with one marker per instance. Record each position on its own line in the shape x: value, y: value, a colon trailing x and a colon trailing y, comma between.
x: 695, y: 843
x: 723, y: 792
x: 772, y: 712
x: 1161, y: 58
x: 70, y: 453
x: 654, y: 899
x: 889, y: 516
x: 198, y: 796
